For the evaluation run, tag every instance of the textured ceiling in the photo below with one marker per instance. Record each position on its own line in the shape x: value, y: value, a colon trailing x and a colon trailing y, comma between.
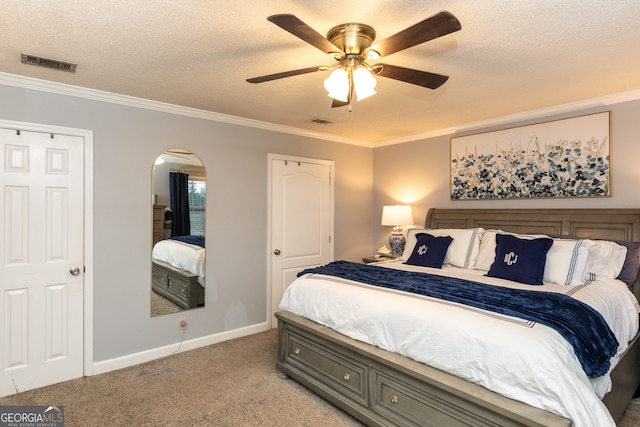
x: 511, y: 56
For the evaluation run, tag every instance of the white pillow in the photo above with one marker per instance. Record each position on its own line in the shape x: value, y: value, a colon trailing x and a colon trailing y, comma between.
x: 462, y: 251
x: 566, y: 262
x: 606, y: 259
x: 487, y: 250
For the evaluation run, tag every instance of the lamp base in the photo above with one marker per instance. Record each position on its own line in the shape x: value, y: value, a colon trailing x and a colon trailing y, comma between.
x: 397, y: 242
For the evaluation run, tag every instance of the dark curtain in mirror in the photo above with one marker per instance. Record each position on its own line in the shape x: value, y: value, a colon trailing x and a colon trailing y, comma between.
x: 179, y: 195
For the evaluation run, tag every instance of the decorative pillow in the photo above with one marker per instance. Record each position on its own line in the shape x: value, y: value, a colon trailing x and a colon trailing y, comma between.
x: 429, y: 251
x: 606, y: 259
x: 520, y: 260
x: 411, y: 241
x: 487, y: 250
x: 567, y: 261
x: 631, y: 266
x: 462, y: 251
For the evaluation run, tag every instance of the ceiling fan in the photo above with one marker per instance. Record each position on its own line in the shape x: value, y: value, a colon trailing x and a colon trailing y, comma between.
x: 352, y: 45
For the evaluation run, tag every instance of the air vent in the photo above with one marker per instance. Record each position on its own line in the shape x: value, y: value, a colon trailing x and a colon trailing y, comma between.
x: 47, y: 63
x: 320, y: 121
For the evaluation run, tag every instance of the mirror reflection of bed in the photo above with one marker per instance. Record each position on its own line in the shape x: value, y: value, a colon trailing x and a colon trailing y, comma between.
x: 178, y: 194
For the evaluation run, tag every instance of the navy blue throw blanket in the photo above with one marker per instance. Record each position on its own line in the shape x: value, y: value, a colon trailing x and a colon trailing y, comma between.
x: 192, y: 239
x: 583, y: 327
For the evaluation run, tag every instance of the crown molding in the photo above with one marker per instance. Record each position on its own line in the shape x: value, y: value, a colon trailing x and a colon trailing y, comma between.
x: 130, y: 101
x: 603, y: 101
x: 98, y: 95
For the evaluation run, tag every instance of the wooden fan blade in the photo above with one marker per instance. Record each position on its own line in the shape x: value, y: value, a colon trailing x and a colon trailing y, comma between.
x: 282, y: 75
x: 431, y: 28
x: 337, y: 103
x: 416, y: 77
x: 295, y: 26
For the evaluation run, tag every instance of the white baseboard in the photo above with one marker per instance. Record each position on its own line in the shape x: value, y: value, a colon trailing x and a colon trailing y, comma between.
x: 157, y: 353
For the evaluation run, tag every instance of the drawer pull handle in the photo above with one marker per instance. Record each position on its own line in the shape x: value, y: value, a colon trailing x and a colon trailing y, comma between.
x: 297, y: 350
x: 347, y: 376
x: 394, y: 399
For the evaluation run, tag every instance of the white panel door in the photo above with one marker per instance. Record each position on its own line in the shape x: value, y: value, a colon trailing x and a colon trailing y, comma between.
x: 41, y: 271
x: 301, y: 220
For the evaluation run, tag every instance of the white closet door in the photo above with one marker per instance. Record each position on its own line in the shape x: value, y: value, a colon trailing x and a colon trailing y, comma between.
x: 41, y: 271
x: 301, y: 220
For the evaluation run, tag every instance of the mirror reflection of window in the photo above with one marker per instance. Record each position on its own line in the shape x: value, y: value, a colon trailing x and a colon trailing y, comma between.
x: 178, y: 235
x: 197, y: 197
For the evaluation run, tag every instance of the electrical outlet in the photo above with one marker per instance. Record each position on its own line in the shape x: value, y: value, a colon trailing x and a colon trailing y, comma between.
x: 182, y: 323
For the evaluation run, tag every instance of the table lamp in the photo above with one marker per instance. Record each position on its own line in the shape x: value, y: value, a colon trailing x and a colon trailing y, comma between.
x: 397, y: 216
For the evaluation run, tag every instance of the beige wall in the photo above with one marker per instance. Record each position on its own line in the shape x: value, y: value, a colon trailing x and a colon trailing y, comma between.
x: 417, y: 173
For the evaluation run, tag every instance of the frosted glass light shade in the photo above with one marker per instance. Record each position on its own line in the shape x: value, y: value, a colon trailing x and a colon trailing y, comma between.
x: 364, y: 83
x: 337, y: 84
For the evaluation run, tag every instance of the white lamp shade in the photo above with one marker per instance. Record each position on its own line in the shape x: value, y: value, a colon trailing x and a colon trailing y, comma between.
x: 337, y: 84
x: 364, y: 83
x: 397, y: 215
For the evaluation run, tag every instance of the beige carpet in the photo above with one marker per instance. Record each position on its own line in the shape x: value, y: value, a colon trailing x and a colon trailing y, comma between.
x: 631, y: 416
x: 160, y: 305
x: 233, y: 383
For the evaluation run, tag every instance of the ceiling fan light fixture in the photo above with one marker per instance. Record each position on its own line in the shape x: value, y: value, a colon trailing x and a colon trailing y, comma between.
x: 352, y: 44
x: 364, y: 83
x: 337, y: 84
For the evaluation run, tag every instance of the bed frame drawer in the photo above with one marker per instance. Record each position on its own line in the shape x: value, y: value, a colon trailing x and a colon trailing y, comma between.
x: 180, y: 287
x: 407, y: 402
x: 337, y: 371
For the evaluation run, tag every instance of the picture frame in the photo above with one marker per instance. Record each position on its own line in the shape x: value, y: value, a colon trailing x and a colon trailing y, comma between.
x: 560, y: 158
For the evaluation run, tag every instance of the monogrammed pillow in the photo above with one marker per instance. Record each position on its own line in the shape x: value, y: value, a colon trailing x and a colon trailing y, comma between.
x: 429, y: 251
x: 520, y: 260
x: 462, y: 251
x: 487, y: 249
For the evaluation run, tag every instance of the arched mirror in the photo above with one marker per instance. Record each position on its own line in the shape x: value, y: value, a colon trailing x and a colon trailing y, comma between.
x: 178, y: 194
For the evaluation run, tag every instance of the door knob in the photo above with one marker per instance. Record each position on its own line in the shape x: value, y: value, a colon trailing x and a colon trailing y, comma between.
x: 74, y: 271
x: 276, y: 251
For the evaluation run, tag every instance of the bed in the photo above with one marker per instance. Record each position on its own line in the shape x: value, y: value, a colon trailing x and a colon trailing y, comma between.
x: 178, y: 270
x: 380, y: 384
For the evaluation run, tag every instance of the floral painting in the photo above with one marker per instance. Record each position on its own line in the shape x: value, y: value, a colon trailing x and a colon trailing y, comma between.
x: 562, y: 158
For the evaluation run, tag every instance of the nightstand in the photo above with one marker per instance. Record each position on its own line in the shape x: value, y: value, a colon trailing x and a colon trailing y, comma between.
x: 371, y: 259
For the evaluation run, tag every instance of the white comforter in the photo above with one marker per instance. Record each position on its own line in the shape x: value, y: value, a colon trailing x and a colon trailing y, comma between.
x: 181, y: 255
x: 531, y: 364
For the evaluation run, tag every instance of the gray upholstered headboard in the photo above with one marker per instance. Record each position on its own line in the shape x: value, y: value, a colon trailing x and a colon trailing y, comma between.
x: 608, y: 224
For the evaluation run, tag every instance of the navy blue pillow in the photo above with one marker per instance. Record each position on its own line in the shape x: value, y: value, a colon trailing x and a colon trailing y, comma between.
x: 429, y: 250
x: 520, y: 260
